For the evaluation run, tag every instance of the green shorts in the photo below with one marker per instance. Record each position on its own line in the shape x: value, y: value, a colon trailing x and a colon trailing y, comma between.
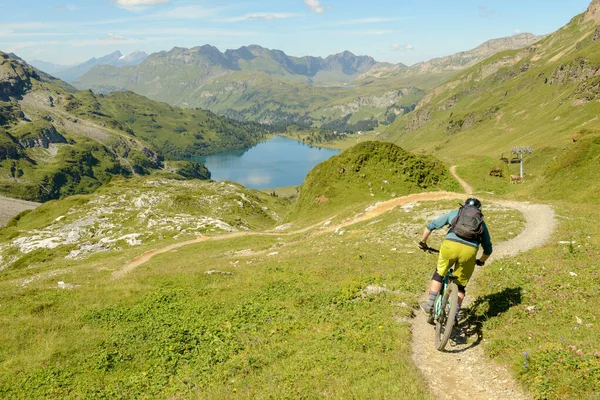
x: 463, y: 255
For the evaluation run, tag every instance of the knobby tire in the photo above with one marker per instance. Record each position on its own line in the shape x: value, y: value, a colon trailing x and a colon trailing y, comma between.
x: 445, y: 321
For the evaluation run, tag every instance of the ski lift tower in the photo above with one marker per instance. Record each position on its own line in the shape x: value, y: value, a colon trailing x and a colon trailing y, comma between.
x: 520, y: 150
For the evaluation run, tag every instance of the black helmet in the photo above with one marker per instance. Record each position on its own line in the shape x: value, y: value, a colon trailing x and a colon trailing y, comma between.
x: 473, y: 202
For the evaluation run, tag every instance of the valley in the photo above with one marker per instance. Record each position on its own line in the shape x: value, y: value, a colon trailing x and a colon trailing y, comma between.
x: 129, y: 270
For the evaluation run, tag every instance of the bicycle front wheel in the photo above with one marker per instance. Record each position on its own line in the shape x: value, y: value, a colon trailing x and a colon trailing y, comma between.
x: 445, y: 321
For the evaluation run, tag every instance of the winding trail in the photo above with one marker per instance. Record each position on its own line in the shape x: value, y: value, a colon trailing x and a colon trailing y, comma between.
x: 315, y: 229
x: 468, y: 373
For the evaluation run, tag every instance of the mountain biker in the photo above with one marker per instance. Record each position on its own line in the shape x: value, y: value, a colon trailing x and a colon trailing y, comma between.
x: 455, y: 249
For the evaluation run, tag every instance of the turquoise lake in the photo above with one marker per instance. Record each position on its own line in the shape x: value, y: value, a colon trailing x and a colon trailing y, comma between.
x: 271, y: 164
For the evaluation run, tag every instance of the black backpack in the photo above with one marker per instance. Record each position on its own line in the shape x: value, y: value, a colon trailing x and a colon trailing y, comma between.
x: 468, y: 224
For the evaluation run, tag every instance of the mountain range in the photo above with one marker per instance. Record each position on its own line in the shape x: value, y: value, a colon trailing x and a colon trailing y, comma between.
x: 70, y: 73
x: 342, y: 91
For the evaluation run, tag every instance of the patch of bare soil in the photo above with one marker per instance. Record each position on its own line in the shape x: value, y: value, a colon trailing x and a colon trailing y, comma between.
x: 11, y: 207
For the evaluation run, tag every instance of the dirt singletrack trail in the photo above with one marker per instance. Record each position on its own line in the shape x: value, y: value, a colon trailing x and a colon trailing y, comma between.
x: 467, y: 373
x: 467, y: 188
x: 315, y: 229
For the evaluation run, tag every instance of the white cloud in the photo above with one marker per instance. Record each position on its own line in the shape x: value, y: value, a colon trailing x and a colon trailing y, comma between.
x: 66, y: 7
x: 136, y: 3
x: 356, y: 32
x: 112, y: 36
x: 517, y: 32
x: 315, y: 6
x: 16, y: 46
x: 262, y: 17
x: 11, y: 33
x: 177, y: 33
x: 27, y: 25
x: 399, y: 47
x: 109, y: 40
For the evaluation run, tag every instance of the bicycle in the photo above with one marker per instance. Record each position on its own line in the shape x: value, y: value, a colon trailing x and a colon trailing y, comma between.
x: 444, y: 307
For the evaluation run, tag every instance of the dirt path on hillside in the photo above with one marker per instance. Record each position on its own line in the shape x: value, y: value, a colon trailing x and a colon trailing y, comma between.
x: 10, y: 207
x: 468, y: 189
x: 316, y: 229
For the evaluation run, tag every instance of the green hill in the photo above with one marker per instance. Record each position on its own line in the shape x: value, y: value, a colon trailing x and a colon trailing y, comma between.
x: 367, y: 172
x: 57, y: 141
x: 540, y: 96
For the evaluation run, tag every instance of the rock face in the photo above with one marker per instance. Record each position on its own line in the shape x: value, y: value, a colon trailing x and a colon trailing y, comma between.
x: 152, y: 156
x: 46, y: 136
x: 9, y: 152
x: 466, y: 59
x: 593, y: 12
x: 418, y: 120
x: 574, y: 72
x: 384, y: 100
x: 13, y: 81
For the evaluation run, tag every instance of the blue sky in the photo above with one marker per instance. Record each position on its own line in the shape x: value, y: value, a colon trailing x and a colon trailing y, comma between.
x: 406, y: 31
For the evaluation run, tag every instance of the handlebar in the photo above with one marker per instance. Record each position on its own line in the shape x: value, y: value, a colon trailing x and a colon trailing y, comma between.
x: 428, y: 249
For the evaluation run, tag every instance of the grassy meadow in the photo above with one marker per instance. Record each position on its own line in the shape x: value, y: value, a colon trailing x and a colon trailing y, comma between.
x: 325, y: 313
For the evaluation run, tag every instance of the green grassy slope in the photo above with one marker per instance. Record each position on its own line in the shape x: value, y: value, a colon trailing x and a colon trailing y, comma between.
x: 540, y: 97
x: 58, y: 142
x: 283, y: 315
x: 366, y: 172
x: 174, y: 132
x: 537, y: 311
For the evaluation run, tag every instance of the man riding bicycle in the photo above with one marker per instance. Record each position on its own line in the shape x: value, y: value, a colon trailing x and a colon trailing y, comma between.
x: 459, y: 247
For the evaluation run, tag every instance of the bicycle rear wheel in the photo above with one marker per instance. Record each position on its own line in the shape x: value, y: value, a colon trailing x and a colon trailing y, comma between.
x: 445, y: 321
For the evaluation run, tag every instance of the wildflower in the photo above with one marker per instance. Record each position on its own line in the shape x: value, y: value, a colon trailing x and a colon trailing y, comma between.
x: 525, y: 354
x: 525, y: 365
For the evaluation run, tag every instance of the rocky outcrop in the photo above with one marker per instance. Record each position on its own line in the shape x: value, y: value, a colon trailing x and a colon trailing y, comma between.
x: 469, y: 58
x: 43, y: 139
x: 152, y: 156
x: 384, y: 100
x: 13, y: 79
x: 448, y: 104
x: 574, y: 72
x: 593, y: 12
x: 418, y: 120
x: 9, y: 152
